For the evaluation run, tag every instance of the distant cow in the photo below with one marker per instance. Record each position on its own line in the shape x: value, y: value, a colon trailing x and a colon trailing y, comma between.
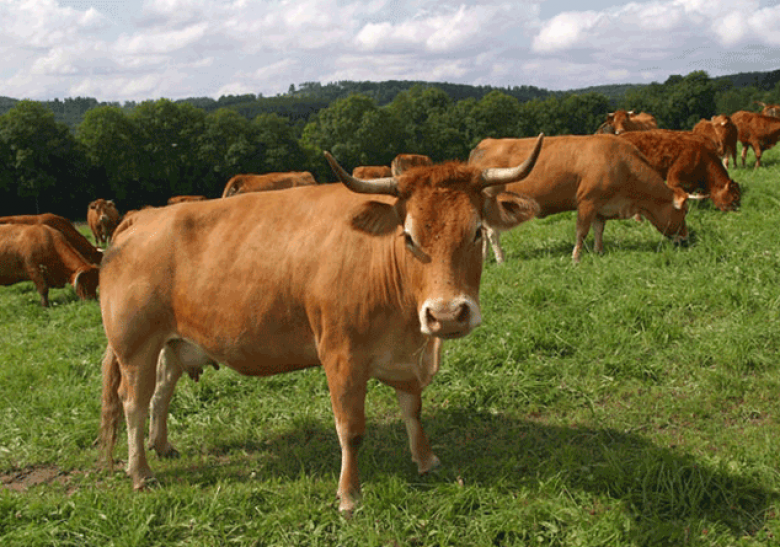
x: 371, y: 171
x: 66, y: 227
x: 622, y: 121
x: 756, y: 131
x: 686, y: 160
x: 184, y: 199
x: 722, y: 131
x: 38, y: 253
x: 770, y: 109
x: 402, y: 162
x: 602, y: 177
x: 103, y: 218
x: 368, y: 287
x: 242, y: 184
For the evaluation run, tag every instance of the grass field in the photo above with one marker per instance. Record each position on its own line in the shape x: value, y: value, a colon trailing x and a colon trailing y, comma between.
x: 630, y: 400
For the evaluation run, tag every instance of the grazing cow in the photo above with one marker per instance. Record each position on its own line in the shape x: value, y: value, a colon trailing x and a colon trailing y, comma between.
x: 41, y: 254
x: 770, y: 109
x: 756, y: 131
x: 363, y: 278
x: 688, y: 161
x: 103, y: 218
x: 621, y: 121
x: 66, y: 227
x: 242, y: 184
x: 371, y: 171
x: 602, y: 177
x: 184, y: 199
x: 402, y: 162
x: 723, y: 133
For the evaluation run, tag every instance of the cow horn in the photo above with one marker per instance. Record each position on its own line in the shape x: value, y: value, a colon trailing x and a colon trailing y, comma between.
x: 387, y: 185
x: 698, y: 197
x: 504, y: 175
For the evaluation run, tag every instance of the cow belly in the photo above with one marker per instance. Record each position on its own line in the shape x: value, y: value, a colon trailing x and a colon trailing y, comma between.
x: 618, y: 208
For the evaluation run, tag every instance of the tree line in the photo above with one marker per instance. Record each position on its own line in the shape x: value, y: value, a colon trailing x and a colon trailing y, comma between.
x: 141, y: 154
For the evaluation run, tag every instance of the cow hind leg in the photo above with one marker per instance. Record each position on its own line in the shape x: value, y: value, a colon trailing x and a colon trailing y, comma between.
x: 584, y: 220
x: 177, y: 356
x: 598, y: 234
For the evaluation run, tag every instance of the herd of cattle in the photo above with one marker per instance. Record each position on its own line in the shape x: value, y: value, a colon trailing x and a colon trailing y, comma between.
x: 363, y: 278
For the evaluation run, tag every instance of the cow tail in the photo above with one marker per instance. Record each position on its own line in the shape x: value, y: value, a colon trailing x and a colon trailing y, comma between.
x: 111, y: 405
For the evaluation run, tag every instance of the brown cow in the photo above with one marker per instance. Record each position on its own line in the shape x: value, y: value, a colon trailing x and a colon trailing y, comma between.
x: 686, y: 160
x: 41, y: 254
x: 621, y: 121
x: 602, y: 177
x: 66, y: 227
x: 723, y: 133
x: 363, y: 278
x: 242, y: 184
x: 103, y: 218
x: 402, y: 162
x: 184, y: 199
x: 756, y: 131
x: 769, y: 109
x: 371, y: 171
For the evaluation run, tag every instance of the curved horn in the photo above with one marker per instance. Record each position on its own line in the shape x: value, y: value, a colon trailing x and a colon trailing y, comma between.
x: 387, y: 185
x: 504, y: 175
x: 698, y: 197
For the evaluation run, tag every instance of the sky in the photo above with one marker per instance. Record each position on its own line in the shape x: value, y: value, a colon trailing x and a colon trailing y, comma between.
x: 134, y: 50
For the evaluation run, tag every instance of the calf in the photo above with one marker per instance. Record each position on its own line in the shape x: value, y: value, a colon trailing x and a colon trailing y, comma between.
x: 38, y: 253
x: 602, y: 177
x: 621, y: 121
x: 689, y: 162
x: 756, y: 131
x: 66, y: 227
x: 722, y: 131
x: 103, y: 218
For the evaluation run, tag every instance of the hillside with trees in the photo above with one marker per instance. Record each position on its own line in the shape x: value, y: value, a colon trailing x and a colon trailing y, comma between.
x: 59, y: 155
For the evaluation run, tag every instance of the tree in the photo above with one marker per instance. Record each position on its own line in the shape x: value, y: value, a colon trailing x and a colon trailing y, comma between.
x: 41, y: 153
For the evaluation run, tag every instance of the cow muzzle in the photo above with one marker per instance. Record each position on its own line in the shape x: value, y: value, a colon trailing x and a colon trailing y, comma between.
x: 449, y: 318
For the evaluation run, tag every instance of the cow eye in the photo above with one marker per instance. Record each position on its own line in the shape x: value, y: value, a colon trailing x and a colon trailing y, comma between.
x: 409, y: 240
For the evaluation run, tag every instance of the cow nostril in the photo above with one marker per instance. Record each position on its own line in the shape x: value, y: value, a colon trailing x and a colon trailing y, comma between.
x: 463, y: 315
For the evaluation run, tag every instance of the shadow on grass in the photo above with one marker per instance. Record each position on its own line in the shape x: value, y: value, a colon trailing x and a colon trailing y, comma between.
x: 662, y: 488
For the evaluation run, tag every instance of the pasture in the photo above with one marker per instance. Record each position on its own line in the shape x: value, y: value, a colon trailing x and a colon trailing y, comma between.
x: 631, y: 400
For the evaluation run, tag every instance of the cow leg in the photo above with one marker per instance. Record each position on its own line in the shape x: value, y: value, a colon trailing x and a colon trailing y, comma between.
x: 744, y: 154
x: 585, y: 217
x: 135, y: 390
x: 36, y: 276
x: 348, y: 397
x: 757, y: 150
x: 168, y: 373
x: 598, y: 234
x: 422, y: 454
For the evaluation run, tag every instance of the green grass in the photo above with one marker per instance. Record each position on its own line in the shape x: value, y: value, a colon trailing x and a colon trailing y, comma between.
x: 630, y: 400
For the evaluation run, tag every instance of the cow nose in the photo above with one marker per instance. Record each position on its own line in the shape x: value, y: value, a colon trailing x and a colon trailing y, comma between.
x: 449, y: 319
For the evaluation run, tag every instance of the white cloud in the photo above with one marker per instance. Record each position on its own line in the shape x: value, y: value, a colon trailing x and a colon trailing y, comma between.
x: 565, y: 31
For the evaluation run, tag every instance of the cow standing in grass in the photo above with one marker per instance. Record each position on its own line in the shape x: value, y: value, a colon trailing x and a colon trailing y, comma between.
x: 722, y: 131
x: 364, y: 278
x: 688, y: 161
x: 756, y: 131
x: 65, y: 227
x: 103, y: 218
x: 41, y: 254
x: 602, y: 177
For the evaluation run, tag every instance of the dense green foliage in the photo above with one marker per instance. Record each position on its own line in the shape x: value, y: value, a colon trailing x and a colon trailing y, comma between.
x: 141, y: 154
x: 631, y: 400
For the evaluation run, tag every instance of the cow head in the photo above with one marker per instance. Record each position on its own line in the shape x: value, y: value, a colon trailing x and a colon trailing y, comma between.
x: 727, y: 198
x: 437, y: 222
x: 85, y: 283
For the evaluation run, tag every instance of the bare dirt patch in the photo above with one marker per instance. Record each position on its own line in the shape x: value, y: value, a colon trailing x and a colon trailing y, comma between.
x: 21, y: 480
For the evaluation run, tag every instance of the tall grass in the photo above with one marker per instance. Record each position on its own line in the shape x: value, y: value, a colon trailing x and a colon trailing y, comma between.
x: 629, y: 400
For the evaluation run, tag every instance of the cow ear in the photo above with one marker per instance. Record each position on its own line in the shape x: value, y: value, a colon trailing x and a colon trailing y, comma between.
x: 507, y: 210
x: 376, y: 218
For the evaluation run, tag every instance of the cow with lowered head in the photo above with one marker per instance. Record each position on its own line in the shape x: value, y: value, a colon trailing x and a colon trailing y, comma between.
x: 364, y: 279
x: 41, y: 254
x: 65, y: 227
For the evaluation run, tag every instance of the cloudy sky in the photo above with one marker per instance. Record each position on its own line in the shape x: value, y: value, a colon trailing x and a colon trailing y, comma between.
x: 119, y: 50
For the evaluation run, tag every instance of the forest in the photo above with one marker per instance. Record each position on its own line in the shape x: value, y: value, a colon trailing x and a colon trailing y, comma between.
x: 57, y: 156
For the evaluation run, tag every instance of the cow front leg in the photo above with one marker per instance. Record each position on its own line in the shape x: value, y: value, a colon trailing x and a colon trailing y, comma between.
x: 348, y: 397
x: 169, y: 371
x: 422, y: 454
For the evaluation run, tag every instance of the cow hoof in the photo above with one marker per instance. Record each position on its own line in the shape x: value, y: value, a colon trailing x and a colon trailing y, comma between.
x: 432, y: 465
x: 146, y: 483
x: 347, y: 506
